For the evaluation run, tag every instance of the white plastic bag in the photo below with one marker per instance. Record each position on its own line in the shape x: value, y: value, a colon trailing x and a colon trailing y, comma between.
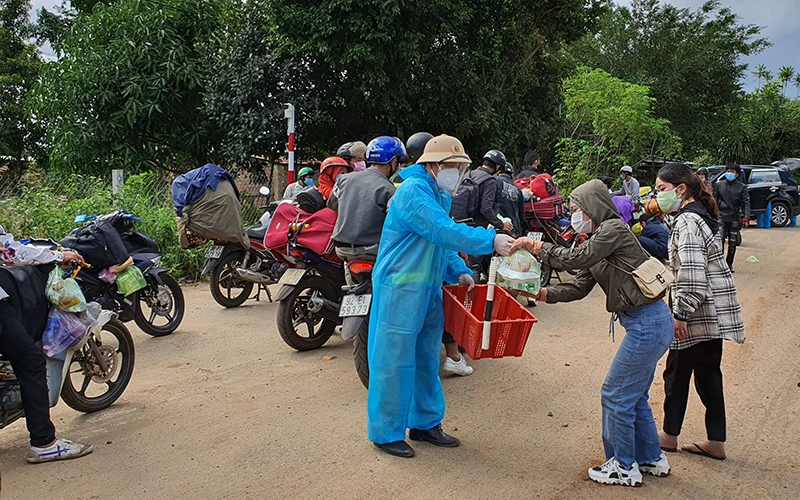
x: 520, y: 271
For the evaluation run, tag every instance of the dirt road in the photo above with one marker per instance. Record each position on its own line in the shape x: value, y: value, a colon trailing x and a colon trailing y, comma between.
x: 224, y: 409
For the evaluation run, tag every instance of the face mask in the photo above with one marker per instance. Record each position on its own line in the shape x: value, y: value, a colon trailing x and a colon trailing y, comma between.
x: 668, y: 201
x: 730, y: 176
x: 360, y: 166
x: 447, y: 179
x: 337, y: 177
x: 579, y: 225
x: 308, y: 182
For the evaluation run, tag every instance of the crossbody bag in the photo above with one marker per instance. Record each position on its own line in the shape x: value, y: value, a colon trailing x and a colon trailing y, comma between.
x: 651, y: 276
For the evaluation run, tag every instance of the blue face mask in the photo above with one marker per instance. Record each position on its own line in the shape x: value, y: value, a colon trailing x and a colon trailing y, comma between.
x: 730, y: 176
x: 309, y: 181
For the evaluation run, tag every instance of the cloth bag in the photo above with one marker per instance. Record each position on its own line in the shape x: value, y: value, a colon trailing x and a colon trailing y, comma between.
x: 652, y: 277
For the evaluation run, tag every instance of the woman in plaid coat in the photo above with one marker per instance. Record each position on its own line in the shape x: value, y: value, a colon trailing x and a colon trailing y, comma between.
x: 704, y: 305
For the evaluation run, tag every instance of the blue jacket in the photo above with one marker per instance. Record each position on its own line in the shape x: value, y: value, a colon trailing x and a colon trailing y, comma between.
x: 655, y: 238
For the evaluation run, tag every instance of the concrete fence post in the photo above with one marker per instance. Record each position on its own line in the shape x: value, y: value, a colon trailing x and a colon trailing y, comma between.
x: 117, y: 180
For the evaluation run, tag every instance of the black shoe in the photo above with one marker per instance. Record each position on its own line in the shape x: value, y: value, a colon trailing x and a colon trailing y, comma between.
x: 397, y: 448
x: 434, y: 436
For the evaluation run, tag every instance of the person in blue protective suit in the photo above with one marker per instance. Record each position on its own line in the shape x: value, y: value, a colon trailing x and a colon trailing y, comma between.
x: 418, y: 250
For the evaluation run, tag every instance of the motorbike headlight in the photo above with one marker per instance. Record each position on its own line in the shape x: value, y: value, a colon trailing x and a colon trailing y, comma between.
x: 157, y: 261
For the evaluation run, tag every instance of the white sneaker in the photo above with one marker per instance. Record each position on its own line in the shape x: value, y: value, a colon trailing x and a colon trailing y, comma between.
x: 612, y: 472
x: 659, y: 468
x: 459, y: 367
x: 62, y: 449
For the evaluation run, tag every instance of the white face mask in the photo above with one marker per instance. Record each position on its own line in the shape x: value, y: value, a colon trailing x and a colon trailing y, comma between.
x: 579, y: 225
x: 448, y: 179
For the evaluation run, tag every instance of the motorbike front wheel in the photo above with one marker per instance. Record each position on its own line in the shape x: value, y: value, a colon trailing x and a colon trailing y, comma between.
x: 97, y: 389
x: 164, y: 302
x: 226, y: 287
x: 360, y: 353
x: 300, y: 328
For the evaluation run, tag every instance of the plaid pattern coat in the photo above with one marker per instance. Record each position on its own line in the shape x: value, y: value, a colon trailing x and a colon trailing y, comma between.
x: 703, y: 293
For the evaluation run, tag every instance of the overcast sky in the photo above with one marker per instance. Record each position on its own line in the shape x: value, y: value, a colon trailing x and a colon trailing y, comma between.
x: 778, y: 17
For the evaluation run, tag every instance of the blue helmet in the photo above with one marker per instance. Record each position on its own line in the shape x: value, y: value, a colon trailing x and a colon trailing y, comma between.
x: 382, y: 150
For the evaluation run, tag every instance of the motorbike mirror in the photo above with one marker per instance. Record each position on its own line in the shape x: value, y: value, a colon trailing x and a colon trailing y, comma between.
x: 264, y: 190
x: 80, y: 218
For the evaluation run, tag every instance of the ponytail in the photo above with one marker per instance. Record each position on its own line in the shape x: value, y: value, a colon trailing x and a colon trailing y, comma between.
x: 680, y: 173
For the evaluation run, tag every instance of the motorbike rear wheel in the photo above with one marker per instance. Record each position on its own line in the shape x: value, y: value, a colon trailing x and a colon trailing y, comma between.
x: 360, y: 353
x: 293, y: 314
x: 116, y: 347
x: 163, y: 301
x: 226, y: 287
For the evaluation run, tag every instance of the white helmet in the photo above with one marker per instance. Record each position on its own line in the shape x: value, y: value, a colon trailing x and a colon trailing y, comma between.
x: 627, y: 169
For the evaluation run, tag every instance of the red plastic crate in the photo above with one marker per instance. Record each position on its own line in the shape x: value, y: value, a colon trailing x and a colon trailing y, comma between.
x: 463, y: 319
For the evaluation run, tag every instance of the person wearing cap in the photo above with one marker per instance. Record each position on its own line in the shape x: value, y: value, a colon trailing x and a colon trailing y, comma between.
x: 630, y: 186
x: 418, y: 251
x: 305, y: 179
x: 355, y: 153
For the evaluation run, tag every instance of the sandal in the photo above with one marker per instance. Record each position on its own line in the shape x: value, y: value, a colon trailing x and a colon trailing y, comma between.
x: 700, y: 451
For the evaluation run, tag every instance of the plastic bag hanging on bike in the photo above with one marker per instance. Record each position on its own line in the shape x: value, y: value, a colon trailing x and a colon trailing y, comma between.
x: 130, y: 280
x: 63, y: 330
x: 64, y: 293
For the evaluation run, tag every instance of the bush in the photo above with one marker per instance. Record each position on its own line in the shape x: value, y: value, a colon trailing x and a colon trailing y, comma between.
x: 46, y: 207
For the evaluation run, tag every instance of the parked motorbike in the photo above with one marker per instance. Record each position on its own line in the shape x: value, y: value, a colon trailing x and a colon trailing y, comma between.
x: 91, y: 377
x: 158, y: 308
x: 235, y: 271
x: 355, y: 313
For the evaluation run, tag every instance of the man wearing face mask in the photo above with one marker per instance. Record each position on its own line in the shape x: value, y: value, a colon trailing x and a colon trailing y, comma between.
x: 418, y: 250
x: 305, y: 179
x: 630, y: 186
x: 362, y: 200
x: 734, y: 209
x: 355, y: 153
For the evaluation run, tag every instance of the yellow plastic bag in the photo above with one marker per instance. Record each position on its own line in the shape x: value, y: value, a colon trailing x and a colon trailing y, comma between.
x: 130, y: 280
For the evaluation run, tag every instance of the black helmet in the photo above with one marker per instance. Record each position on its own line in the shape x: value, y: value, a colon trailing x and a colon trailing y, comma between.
x: 496, y: 157
x: 415, y: 144
x: 702, y: 170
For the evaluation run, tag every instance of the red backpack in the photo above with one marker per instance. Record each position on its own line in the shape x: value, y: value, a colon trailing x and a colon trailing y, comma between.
x: 543, y: 186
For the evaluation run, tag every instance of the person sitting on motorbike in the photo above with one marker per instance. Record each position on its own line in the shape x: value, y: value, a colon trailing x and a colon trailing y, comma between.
x: 418, y: 251
x: 305, y: 179
x: 331, y: 169
x: 355, y: 153
x: 19, y: 346
x: 705, y: 182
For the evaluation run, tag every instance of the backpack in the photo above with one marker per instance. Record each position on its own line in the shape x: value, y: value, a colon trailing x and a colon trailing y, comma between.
x: 25, y: 286
x: 543, y: 186
x: 99, y: 244
x: 466, y: 201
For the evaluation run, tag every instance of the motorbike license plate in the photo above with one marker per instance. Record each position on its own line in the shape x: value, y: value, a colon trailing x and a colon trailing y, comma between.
x: 355, y: 305
x: 214, y: 252
x: 292, y: 277
x: 535, y: 235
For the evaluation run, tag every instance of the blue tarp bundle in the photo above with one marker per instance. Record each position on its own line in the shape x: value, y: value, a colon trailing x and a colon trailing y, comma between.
x: 191, y: 186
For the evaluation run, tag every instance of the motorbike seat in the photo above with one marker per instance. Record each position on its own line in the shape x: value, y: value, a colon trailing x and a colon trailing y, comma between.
x: 257, y: 233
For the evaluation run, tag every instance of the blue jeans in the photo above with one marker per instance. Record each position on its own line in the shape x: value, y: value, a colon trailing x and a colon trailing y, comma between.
x: 629, y: 430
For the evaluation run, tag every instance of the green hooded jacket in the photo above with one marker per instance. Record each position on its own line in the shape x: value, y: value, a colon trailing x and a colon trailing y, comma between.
x: 612, y: 241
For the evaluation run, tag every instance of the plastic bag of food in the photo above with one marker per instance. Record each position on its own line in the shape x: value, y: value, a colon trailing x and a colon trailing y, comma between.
x: 63, y: 330
x: 64, y: 293
x: 130, y: 280
x: 520, y: 271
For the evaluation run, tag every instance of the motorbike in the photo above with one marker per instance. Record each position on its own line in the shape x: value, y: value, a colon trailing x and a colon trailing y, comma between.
x: 234, y: 271
x: 355, y: 313
x: 92, y: 376
x: 158, y: 308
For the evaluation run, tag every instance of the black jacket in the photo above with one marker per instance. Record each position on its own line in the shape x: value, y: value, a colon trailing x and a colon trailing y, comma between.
x: 733, y: 200
x: 527, y: 171
x: 509, y: 202
x: 488, y: 190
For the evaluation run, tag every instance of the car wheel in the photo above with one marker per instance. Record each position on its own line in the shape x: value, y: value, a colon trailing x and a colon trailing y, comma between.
x: 780, y: 214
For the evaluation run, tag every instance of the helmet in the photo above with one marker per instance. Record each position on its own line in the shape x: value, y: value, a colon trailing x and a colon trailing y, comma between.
x: 333, y: 161
x: 381, y: 150
x: 444, y: 149
x: 496, y: 157
x: 702, y: 170
x: 627, y: 169
x: 507, y: 168
x: 304, y: 172
x: 349, y: 150
x: 415, y: 144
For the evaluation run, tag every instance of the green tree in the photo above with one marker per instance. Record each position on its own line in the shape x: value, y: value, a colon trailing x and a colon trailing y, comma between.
x: 797, y: 84
x: 759, y: 73
x: 690, y: 59
x: 612, y: 123
x: 19, y: 68
x: 785, y: 75
x: 128, y: 90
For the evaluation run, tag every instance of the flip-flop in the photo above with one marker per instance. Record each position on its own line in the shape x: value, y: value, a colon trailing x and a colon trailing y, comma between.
x: 669, y: 450
x: 700, y: 451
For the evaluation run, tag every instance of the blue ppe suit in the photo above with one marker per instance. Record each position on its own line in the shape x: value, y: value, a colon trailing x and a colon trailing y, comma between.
x: 418, y: 250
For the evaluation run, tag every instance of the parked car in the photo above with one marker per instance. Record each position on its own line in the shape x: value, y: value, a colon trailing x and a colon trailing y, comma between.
x: 770, y: 184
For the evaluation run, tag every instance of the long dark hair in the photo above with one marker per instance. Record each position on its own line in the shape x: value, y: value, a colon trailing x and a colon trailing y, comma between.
x: 680, y: 173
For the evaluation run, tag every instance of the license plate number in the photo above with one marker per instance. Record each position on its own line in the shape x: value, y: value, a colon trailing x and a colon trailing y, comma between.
x: 535, y: 235
x: 355, y: 305
x: 214, y: 252
x: 292, y: 277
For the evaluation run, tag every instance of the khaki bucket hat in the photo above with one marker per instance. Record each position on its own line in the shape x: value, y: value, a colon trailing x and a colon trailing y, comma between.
x: 444, y: 149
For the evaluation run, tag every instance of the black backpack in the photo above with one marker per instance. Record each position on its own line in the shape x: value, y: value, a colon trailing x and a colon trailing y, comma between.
x: 100, y: 244
x: 467, y: 200
x: 25, y: 286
